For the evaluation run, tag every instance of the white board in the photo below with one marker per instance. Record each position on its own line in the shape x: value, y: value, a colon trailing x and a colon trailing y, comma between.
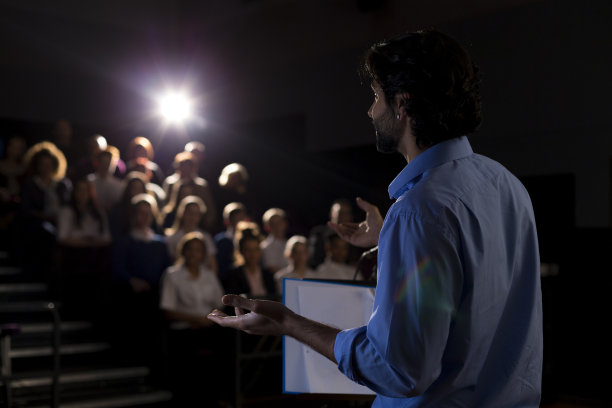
x: 340, y: 305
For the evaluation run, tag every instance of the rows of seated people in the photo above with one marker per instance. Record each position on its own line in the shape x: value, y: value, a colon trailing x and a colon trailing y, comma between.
x: 116, y: 238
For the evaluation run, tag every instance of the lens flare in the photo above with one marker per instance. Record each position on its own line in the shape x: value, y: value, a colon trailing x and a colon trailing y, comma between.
x: 175, y: 107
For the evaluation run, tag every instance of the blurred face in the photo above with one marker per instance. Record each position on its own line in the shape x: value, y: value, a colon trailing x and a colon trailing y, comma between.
x: 186, y: 168
x: 143, y: 216
x: 338, y: 250
x: 81, y: 192
x: 136, y: 187
x: 236, y: 217
x: 191, y: 216
x: 104, y: 162
x: 46, y: 167
x: 15, y: 147
x: 341, y: 213
x: 251, y: 252
x: 140, y: 151
x: 299, y: 255
x: 277, y: 225
x: 194, y: 253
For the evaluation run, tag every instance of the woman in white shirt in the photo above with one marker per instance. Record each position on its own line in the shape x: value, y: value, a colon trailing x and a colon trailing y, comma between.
x: 190, y: 290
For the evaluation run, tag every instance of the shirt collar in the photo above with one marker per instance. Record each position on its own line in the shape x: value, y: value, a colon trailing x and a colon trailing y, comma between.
x: 434, y: 156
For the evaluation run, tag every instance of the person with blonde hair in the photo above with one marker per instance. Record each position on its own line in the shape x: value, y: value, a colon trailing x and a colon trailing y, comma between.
x: 45, y: 188
x: 44, y: 191
x: 296, y: 252
x: 275, y: 224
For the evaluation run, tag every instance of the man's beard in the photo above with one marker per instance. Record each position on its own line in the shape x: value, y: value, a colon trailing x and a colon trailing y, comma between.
x: 388, y: 132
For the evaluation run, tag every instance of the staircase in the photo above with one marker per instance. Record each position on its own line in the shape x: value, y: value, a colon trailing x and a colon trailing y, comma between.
x: 48, y: 362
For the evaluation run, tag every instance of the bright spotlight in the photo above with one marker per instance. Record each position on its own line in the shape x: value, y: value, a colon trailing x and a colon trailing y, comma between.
x: 175, y: 107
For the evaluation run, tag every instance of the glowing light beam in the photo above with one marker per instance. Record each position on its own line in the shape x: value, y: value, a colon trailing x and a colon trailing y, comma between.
x: 175, y: 107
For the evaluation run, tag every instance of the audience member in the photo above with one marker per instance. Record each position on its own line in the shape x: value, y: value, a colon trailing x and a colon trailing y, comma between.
x: 81, y: 223
x: 341, y: 211
x: 140, y: 166
x: 248, y: 277
x: 190, y: 291
x: 232, y: 183
x: 184, y: 189
x: 43, y: 191
x: 83, y: 252
x: 198, y: 150
x: 296, y: 251
x: 63, y: 139
x: 189, y: 216
x: 335, y: 266
x: 87, y: 164
x: 138, y: 262
x: 186, y: 169
x: 233, y: 213
x: 274, y: 222
x: 141, y: 148
x: 12, y: 169
x: 140, y: 257
x: 107, y: 187
x: 134, y: 183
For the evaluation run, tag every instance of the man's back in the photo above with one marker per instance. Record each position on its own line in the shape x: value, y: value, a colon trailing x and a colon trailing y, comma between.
x: 458, y: 287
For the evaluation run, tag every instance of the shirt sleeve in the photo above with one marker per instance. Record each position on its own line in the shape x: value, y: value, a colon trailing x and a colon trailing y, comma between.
x: 399, y: 352
x: 64, y: 223
x: 168, y: 298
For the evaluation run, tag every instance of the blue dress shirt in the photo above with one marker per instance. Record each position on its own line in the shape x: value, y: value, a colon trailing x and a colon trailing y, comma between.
x: 457, y: 318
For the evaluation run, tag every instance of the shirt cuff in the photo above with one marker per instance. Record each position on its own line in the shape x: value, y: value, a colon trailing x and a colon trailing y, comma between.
x: 344, y: 349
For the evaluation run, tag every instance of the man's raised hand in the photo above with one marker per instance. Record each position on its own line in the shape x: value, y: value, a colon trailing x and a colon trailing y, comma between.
x: 365, y: 234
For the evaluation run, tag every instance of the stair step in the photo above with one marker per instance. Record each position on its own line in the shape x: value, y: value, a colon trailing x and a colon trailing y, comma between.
x: 27, y: 306
x: 9, y: 270
x: 38, y: 328
x: 64, y: 350
x: 83, y: 376
x: 23, y: 288
x: 130, y: 400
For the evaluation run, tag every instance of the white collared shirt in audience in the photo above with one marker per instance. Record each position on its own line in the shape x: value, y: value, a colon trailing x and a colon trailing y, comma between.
x: 273, y: 253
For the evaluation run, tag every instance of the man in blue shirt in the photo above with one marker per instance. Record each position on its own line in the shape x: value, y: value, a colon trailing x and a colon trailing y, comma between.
x: 457, y: 318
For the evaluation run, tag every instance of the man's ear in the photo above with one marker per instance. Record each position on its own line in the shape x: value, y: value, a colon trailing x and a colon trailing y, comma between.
x: 400, y: 102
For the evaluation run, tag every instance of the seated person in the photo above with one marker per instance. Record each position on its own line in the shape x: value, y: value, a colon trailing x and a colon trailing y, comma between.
x: 335, y: 266
x: 341, y: 211
x: 81, y: 223
x: 138, y: 261
x: 296, y: 251
x: 273, y: 247
x: 12, y: 168
x: 186, y: 169
x: 233, y: 213
x: 107, y: 187
x: 141, y: 148
x: 140, y: 258
x: 83, y: 252
x: 190, y: 290
x: 189, y: 217
x: 249, y: 277
x: 44, y: 190
x: 181, y: 190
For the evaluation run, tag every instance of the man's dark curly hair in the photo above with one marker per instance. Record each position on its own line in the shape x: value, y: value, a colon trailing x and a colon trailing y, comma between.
x: 438, y: 75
